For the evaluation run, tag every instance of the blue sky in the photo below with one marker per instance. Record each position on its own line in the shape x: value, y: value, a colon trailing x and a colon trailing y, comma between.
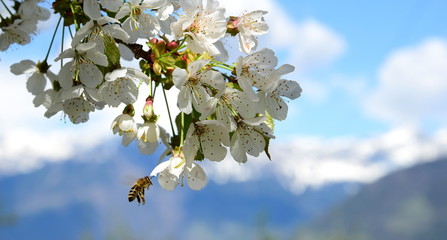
x: 373, y: 81
x: 372, y: 31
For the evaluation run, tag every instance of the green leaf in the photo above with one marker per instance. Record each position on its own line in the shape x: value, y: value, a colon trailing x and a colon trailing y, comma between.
x: 112, y: 52
x: 183, y: 128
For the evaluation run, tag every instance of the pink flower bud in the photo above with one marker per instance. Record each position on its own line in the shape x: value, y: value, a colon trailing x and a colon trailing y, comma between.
x: 232, y: 25
x: 172, y: 45
x: 148, y: 109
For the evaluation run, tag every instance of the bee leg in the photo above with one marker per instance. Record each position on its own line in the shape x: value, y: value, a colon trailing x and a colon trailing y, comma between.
x: 142, y: 198
x: 138, y: 199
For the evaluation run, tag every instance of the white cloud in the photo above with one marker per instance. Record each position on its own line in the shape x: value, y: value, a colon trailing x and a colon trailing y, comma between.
x: 306, y: 162
x: 311, y: 44
x: 412, y: 84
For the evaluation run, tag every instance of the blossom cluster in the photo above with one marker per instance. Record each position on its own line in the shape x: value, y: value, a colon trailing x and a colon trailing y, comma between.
x: 20, y: 23
x: 225, y: 109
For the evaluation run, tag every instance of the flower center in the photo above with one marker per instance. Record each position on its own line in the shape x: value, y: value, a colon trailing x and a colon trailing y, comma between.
x: 200, y: 130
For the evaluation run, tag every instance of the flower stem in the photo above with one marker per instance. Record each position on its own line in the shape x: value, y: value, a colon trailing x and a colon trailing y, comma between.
x: 182, y: 115
x: 52, y: 39
x: 71, y: 33
x: 222, y: 66
x: 7, y: 8
x: 62, y: 44
x: 221, y: 63
x: 169, y: 111
x: 155, y: 90
x: 74, y: 18
x: 151, y: 89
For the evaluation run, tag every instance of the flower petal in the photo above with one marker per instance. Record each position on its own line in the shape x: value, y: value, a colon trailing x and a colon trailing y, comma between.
x: 159, y: 168
x: 167, y: 180
x: 197, y: 178
x: 97, y: 57
x: 184, y: 101
x: 91, y: 9
x: 24, y: 66
x: 179, y: 77
x: 289, y: 89
x: 147, y: 148
x: 112, y: 5
x: 66, y: 75
x: 90, y: 75
x: 36, y: 83
x: 236, y: 149
x: 195, y: 66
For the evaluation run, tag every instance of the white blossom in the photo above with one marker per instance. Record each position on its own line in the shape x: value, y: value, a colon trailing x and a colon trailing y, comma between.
x: 148, y: 136
x: 18, y: 32
x: 120, y: 86
x: 139, y: 23
x: 274, y: 102
x: 257, y: 70
x: 171, y: 171
x: 194, y: 84
x: 208, y: 136
x: 51, y: 100
x: 37, y: 80
x: 249, y: 138
x: 250, y: 25
x: 29, y: 10
x: 83, y: 66
x: 78, y: 109
x: 202, y: 26
x: 126, y: 127
x: 233, y: 103
x: 100, y: 30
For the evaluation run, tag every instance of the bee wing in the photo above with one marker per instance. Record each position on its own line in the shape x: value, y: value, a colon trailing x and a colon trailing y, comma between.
x: 128, y: 180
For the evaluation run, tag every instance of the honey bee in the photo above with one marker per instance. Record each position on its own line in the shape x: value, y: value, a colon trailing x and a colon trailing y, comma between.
x: 137, y: 190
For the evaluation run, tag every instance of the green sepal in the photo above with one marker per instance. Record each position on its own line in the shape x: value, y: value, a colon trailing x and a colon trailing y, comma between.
x: 199, y: 156
x: 180, y: 63
x: 266, y: 148
x: 270, y: 121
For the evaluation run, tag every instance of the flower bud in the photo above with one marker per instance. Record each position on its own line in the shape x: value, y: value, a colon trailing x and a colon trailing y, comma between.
x: 157, y: 68
x: 148, y: 109
x: 129, y: 109
x: 153, y: 57
x: 232, y: 26
x: 172, y: 45
x: 158, y: 46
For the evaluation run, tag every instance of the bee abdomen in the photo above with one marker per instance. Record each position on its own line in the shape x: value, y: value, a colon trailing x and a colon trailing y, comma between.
x: 133, y: 193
